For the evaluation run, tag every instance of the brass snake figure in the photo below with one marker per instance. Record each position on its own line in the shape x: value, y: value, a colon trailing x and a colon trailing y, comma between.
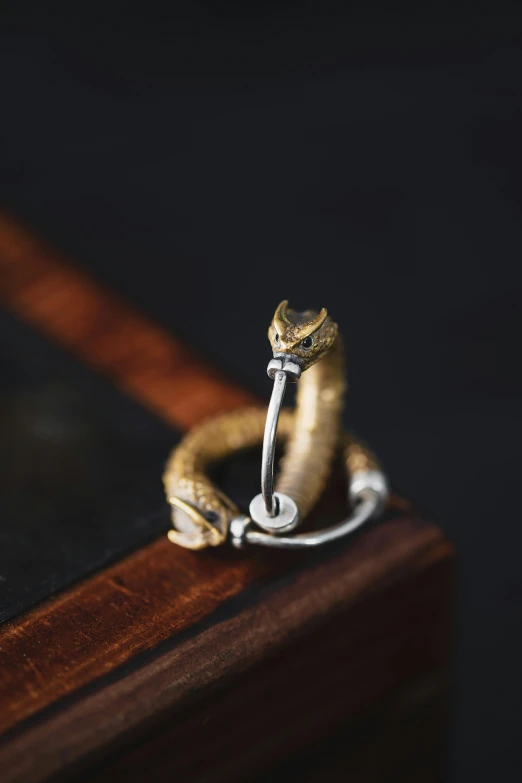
x: 304, y: 344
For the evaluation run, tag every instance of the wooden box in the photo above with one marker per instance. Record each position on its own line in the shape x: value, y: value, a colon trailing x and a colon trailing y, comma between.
x: 154, y: 663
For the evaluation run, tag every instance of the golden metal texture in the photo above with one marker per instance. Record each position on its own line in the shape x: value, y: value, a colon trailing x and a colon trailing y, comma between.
x: 201, y: 513
x: 189, y: 489
x: 313, y: 441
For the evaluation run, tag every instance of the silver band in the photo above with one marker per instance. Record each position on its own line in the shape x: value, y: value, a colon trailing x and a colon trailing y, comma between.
x: 269, y: 443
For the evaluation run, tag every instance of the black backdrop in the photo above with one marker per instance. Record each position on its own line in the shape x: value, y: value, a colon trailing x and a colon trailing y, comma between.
x: 210, y: 160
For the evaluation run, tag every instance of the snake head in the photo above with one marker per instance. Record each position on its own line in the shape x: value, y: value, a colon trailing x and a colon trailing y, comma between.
x: 307, y: 335
x: 204, y: 519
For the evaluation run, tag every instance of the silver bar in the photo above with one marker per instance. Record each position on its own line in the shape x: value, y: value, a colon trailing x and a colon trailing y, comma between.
x: 269, y: 442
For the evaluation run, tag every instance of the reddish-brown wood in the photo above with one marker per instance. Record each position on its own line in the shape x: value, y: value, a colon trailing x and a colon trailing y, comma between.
x: 341, y: 665
x: 376, y: 618
x: 109, y: 335
x: 152, y: 595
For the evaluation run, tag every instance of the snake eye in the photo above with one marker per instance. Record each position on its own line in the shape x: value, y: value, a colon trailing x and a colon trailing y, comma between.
x: 276, y: 338
x: 210, y: 516
x: 307, y: 342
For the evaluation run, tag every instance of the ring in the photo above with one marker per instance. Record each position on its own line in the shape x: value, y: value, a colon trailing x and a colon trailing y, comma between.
x: 307, y: 350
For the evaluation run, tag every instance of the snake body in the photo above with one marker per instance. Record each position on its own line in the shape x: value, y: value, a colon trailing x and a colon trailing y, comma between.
x: 201, y: 513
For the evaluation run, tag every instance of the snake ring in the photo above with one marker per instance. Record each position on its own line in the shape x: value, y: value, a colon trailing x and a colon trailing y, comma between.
x: 307, y: 350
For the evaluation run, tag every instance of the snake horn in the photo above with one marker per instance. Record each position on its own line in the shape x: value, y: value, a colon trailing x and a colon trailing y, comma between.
x: 308, y: 328
x: 281, y: 320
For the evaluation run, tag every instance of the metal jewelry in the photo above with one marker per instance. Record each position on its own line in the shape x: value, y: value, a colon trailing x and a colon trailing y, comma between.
x: 307, y: 350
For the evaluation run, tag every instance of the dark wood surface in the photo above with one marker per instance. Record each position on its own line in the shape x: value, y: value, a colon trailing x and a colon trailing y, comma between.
x: 181, y: 655
x: 332, y: 639
x: 79, y: 467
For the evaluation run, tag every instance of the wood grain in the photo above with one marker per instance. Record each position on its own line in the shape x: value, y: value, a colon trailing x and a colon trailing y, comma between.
x: 403, y: 631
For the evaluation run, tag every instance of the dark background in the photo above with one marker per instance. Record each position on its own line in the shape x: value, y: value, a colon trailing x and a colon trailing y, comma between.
x: 210, y: 159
